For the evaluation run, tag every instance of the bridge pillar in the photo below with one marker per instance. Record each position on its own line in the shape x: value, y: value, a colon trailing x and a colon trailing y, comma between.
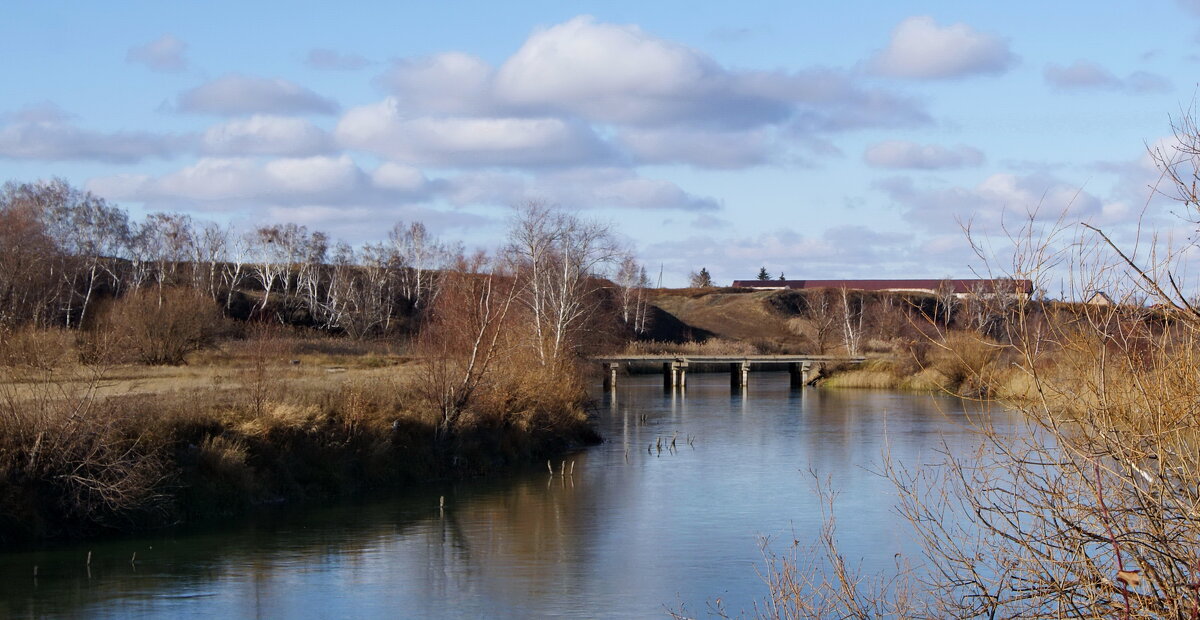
x: 800, y: 373
x: 610, y: 375
x: 739, y: 374
x: 675, y: 374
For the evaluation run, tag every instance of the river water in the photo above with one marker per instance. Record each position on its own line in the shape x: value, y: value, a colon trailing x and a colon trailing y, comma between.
x: 629, y: 531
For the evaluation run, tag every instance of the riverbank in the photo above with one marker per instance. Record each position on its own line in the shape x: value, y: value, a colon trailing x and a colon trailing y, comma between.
x: 88, y: 450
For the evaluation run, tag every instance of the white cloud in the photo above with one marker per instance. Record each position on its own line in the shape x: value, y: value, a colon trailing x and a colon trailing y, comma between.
x: 449, y: 83
x: 620, y: 75
x: 332, y: 60
x: 265, y: 135
x: 1087, y: 75
x: 705, y: 149
x: 1002, y: 199
x: 164, y: 54
x: 225, y: 182
x: 903, y: 154
x: 235, y: 94
x: 395, y: 176
x: 449, y: 141
x: 575, y: 188
x: 45, y: 132
x: 921, y: 49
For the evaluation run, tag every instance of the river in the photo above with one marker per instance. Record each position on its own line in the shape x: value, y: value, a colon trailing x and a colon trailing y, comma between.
x: 631, y: 530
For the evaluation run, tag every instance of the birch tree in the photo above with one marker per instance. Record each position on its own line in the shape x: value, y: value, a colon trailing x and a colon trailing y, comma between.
x: 557, y: 258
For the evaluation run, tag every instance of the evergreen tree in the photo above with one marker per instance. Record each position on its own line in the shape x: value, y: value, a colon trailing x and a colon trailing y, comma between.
x: 763, y: 275
x: 702, y: 279
x: 781, y: 278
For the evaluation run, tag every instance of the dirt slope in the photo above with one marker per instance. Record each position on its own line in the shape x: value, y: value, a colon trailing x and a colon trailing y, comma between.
x: 755, y: 316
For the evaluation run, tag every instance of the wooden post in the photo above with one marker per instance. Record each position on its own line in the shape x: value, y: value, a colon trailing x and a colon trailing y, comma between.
x: 668, y: 375
x: 681, y: 366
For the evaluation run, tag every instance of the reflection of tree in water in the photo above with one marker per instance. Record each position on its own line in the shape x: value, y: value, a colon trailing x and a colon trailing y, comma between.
x: 520, y: 541
x: 492, y: 535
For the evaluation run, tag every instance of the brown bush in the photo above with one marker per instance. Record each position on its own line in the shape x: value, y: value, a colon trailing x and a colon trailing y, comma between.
x: 154, y: 327
x: 34, y: 348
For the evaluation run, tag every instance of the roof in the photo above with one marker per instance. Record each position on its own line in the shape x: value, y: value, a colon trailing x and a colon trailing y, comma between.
x: 958, y: 286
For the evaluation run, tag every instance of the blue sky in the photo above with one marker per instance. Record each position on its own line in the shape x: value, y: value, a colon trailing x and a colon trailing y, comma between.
x: 818, y: 139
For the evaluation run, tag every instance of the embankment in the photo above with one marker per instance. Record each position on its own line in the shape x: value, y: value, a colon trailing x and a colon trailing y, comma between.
x: 75, y: 464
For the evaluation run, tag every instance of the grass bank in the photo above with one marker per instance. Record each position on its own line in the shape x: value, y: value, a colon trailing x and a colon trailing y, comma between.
x: 86, y: 450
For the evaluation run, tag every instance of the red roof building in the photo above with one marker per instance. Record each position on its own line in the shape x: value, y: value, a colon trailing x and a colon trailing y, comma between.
x: 961, y: 288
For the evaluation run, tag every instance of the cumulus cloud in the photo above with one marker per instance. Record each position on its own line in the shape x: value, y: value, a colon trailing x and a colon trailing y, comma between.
x: 620, y: 75
x: 332, y: 60
x: 234, y: 182
x: 449, y: 83
x: 165, y: 54
x: 704, y: 149
x: 464, y: 141
x: 45, y: 132
x: 999, y: 199
x: 235, y: 94
x: 921, y: 49
x: 1087, y: 75
x: 903, y: 154
x: 576, y: 188
x: 265, y: 135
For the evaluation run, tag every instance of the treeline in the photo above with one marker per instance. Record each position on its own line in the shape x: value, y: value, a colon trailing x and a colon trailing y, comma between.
x: 497, y: 336
x: 63, y: 250
x: 847, y: 320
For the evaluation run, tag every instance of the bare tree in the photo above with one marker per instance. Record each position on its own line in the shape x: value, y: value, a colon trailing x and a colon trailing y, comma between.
x: 166, y: 240
x: 947, y: 302
x: 417, y: 255
x: 850, y: 314
x: 823, y: 319
x: 465, y: 337
x: 631, y: 281
x: 557, y: 258
x: 209, y: 251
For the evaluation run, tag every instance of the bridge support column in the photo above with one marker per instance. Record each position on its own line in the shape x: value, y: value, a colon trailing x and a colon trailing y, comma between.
x: 739, y: 375
x: 610, y: 375
x: 800, y: 373
x: 675, y: 374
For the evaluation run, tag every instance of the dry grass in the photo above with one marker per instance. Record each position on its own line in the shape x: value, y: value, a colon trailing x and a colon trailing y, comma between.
x: 736, y: 316
x: 712, y: 346
x: 240, y: 425
x: 864, y: 378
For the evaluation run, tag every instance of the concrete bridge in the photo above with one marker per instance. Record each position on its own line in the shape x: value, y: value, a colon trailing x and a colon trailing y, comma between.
x: 675, y: 366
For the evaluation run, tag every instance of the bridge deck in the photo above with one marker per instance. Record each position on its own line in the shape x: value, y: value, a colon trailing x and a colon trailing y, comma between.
x: 727, y: 359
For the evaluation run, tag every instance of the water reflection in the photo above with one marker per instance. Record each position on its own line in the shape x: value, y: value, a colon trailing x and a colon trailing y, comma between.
x: 638, y: 522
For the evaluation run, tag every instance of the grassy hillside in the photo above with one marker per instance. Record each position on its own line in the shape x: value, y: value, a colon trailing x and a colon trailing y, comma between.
x: 753, y: 317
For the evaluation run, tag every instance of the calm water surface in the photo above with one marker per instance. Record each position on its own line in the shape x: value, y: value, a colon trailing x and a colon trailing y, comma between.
x: 631, y: 533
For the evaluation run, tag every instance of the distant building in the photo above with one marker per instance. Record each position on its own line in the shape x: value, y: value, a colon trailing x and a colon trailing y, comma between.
x: 1099, y: 298
x: 960, y: 288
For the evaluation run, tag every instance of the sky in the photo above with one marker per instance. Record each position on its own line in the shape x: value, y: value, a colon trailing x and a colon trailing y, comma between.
x: 820, y: 140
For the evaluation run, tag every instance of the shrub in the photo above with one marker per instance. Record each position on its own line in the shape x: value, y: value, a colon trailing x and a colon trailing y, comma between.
x: 154, y: 327
x: 33, y: 348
